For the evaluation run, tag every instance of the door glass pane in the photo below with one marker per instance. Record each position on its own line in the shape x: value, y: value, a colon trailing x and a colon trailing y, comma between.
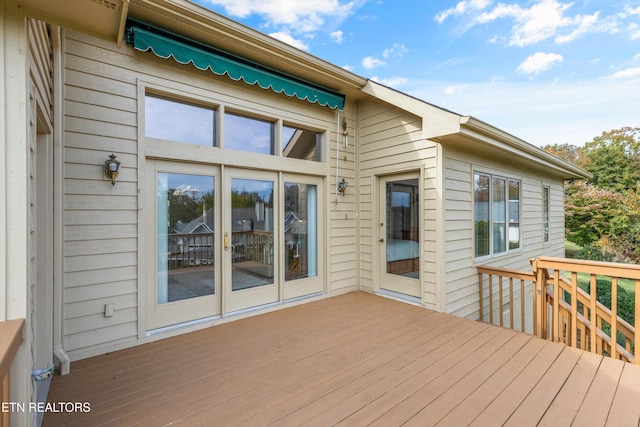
x: 300, y: 231
x: 185, y: 236
x: 251, y: 233
x: 402, y: 228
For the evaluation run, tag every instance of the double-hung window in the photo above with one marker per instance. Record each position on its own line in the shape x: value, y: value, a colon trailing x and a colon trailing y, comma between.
x: 496, y: 214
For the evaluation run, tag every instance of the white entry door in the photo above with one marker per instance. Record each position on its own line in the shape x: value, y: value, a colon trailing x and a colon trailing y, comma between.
x: 399, y: 234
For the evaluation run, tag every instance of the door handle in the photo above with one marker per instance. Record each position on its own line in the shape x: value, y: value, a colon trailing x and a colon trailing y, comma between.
x: 381, y: 240
x: 226, y: 241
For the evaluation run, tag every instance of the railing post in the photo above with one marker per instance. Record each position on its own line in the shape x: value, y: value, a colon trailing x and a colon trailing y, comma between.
x: 538, y: 299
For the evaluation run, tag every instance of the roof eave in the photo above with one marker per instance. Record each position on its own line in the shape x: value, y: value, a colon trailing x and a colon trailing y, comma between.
x: 484, y: 132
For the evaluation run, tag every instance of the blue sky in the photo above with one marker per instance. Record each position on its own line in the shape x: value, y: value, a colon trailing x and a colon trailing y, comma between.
x: 546, y: 71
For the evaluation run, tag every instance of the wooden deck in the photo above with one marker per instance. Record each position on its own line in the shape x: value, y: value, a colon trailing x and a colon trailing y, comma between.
x: 355, y: 359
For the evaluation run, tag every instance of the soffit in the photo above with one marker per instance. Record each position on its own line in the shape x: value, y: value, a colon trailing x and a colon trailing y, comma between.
x: 100, y: 18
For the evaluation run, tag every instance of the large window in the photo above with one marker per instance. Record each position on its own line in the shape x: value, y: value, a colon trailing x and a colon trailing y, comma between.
x: 248, y: 134
x: 179, y: 121
x: 496, y: 214
x: 196, y: 123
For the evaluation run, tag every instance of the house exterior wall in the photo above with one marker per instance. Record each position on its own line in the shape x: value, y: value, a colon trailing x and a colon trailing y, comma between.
x: 391, y: 141
x: 104, y: 234
x: 26, y: 86
x: 461, y: 275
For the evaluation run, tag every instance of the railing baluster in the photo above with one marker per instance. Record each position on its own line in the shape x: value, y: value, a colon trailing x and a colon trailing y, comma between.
x: 574, y: 308
x: 500, y: 300
x: 522, y: 313
x: 593, y: 314
x: 614, y: 318
x: 481, y: 282
x: 637, y: 323
x: 556, y: 306
x: 490, y: 298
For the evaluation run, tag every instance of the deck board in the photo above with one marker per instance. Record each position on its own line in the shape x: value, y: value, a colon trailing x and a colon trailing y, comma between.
x: 354, y: 359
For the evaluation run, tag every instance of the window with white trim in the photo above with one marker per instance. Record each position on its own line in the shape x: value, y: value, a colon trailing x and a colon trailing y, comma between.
x: 496, y: 214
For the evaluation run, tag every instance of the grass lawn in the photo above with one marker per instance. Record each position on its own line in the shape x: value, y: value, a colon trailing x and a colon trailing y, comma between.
x: 570, y: 249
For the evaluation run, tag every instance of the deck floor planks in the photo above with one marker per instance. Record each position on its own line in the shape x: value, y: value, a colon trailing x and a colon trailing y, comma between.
x: 267, y: 387
x: 625, y: 409
x: 469, y: 408
x: 352, y: 359
x: 536, y: 404
x: 602, y: 389
x: 568, y: 401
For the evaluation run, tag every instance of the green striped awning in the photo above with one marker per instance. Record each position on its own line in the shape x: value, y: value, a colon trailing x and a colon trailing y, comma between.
x: 165, y: 44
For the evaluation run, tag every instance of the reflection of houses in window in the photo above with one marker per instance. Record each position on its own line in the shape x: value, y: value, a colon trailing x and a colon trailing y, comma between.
x: 192, y: 244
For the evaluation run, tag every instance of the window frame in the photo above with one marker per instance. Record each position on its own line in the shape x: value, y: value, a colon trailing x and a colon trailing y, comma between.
x: 506, y: 201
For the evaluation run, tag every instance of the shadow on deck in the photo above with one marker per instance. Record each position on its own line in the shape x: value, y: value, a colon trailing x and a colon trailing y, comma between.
x: 353, y: 359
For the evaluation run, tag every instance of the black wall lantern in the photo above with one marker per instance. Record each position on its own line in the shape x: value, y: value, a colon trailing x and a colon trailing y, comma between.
x: 111, y: 168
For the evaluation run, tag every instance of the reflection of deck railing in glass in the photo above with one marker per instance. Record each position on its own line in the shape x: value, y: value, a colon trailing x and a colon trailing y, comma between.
x: 252, y: 246
x: 190, y: 250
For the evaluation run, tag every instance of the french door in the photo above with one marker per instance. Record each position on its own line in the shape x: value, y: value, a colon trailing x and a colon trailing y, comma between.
x: 399, y: 234
x: 183, y: 243
x: 226, y: 239
x: 251, y: 238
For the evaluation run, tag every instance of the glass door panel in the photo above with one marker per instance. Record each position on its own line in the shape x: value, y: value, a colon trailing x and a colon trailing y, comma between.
x: 183, y: 217
x: 251, y: 233
x: 400, y: 234
x: 303, y: 217
x: 250, y: 239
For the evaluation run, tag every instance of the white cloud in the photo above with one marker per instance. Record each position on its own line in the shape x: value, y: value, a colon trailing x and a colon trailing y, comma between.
x: 454, y: 89
x: 632, y: 11
x: 539, y: 62
x: 461, y: 8
x: 393, y: 82
x: 288, y: 12
x: 349, y: 68
x: 370, y: 63
x: 545, y: 19
x: 627, y: 73
x: 398, y: 49
x: 287, y: 38
x: 337, y: 36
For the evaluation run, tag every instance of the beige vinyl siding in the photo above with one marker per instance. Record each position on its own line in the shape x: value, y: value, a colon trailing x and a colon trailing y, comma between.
x: 461, y: 276
x: 100, y: 220
x: 342, y: 222
x: 391, y: 141
x: 102, y: 231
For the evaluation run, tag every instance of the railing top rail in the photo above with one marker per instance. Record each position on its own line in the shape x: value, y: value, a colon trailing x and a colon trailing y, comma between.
x: 629, y: 271
x: 10, y: 340
x: 486, y: 269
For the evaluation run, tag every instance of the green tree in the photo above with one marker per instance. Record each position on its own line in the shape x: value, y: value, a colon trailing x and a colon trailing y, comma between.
x: 613, y: 158
x: 568, y: 152
x: 592, y: 212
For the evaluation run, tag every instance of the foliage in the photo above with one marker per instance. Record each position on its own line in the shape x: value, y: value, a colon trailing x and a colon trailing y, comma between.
x: 592, y: 212
x: 613, y: 158
x: 568, y: 152
x: 593, y: 253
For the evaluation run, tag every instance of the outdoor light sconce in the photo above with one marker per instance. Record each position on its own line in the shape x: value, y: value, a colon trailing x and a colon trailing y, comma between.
x: 111, y: 168
x: 342, y: 186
